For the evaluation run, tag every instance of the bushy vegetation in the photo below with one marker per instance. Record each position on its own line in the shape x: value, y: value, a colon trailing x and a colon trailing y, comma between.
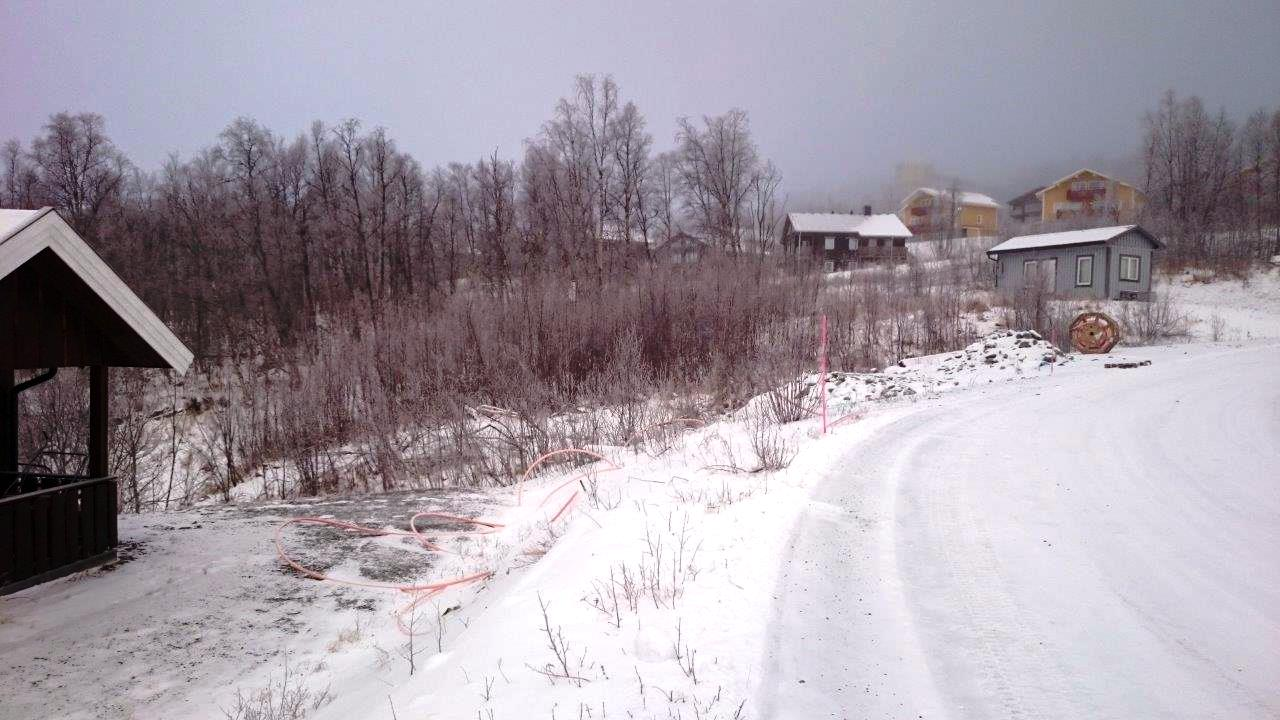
x: 351, y: 310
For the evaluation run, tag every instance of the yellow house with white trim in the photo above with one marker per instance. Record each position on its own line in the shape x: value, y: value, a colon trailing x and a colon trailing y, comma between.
x: 1087, y: 194
x: 929, y: 211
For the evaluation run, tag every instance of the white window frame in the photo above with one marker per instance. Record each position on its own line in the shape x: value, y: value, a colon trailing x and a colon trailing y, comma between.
x: 829, y: 266
x: 1083, y: 261
x: 830, y: 243
x: 1131, y: 260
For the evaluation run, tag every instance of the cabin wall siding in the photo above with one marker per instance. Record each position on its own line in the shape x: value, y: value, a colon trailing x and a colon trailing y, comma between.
x: 847, y: 249
x: 1010, y: 270
x: 1106, y: 267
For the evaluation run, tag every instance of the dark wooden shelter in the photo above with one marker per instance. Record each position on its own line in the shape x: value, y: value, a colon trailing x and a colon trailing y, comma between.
x: 61, y: 306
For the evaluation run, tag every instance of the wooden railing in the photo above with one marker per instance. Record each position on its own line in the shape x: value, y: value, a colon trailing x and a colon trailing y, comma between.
x: 877, y: 254
x: 53, y: 525
x: 1087, y: 194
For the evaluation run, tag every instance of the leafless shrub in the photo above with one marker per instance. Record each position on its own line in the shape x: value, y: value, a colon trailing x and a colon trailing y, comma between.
x: 686, y: 657
x: 285, y: 699
x: 726, y: 496
x: 1152, y: 321
x: 54, y: 415
x: 604, y: 598
x: 566, y: 666
x: 411, y: 648
x: 786, y: 404
x: 1217, y: 326
x: 600, y: 498
x: 770, y: 449
x: 346, y: 637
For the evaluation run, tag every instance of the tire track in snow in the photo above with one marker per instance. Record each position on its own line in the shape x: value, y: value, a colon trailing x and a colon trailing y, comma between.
x: 1154, y: 593
x: 1002, y: 645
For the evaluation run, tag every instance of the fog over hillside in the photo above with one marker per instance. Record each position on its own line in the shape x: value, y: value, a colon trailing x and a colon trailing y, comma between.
x: 838, y: 93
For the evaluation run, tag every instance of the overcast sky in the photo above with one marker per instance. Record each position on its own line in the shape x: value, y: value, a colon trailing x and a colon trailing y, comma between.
x: 838, y: 92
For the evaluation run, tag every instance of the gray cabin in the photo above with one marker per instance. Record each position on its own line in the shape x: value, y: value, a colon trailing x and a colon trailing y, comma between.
x: 1103, y: 263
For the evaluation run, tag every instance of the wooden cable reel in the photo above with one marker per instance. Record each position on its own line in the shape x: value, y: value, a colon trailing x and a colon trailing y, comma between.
x: 1094, y: 332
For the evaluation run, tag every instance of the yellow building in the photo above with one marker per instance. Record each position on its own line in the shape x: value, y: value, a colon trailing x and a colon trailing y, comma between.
x: 944, y: 213
x: 1087, y: 194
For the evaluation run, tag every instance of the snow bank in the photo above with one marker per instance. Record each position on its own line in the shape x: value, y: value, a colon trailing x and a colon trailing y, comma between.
x: 1001, y: 355
x: 651, y: 600
x: 1229, y: 309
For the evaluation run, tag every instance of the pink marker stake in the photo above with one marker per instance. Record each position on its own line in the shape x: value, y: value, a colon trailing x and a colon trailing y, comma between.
x: 822, y: 364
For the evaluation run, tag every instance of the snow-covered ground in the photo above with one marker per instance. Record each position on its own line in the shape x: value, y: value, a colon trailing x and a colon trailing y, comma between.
x: 1099, y: 545
x: 1016, y: 536
x: 1233, y: 309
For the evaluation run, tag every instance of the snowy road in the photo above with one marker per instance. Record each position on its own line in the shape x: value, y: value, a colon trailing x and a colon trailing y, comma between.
x: 1099, y: 544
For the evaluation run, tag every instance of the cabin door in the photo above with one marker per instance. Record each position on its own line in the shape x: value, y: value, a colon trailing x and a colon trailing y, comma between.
x: 1040, y: 274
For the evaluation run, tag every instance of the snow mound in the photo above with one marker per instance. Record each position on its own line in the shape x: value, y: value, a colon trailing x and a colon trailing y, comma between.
x: 1002, y: 355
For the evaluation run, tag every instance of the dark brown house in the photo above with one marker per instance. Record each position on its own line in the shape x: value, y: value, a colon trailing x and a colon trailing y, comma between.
x: 840, y: 240
x: 1026, y: 206
x: 60, y: 307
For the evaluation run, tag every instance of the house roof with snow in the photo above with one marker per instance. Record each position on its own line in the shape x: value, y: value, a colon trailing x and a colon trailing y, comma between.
x: 62, y: 306
x: 612, y: 232
x: 1028, y: 196
x: 885, y: 225
x: 682, y: 238
x: 1081, y: 171
x: 1071, y: 237
x: 963, y: 197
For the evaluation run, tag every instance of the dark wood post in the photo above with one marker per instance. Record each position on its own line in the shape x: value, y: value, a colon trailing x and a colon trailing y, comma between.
x: 8, y: 422
x: 98, y: 429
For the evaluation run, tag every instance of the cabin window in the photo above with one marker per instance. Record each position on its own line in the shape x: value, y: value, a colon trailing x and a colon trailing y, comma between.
x: 831, y: 243
x: 879, y: 242
x: 1130, y: 268
x: 829, y: 266
x: 1084, y: 270
x: 862, y: 242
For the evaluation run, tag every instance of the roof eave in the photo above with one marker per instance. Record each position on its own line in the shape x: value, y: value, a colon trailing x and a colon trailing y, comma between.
x: 29, y: 222
x: 16, y: 250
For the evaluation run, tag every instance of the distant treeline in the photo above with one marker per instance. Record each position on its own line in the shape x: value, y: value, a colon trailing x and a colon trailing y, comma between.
x: 1212, y: 184
x: 342, y: 299
x: 265, y: 235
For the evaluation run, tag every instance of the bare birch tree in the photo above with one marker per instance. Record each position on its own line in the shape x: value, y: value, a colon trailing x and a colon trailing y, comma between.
x: 718, y: 162
x: 1190, y: 161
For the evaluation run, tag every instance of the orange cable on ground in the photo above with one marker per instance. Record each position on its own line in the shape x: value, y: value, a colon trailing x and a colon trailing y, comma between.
x: 422, y: 592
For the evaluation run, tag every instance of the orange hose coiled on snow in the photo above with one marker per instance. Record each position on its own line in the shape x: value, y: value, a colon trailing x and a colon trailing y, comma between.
x: 425, y: 591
